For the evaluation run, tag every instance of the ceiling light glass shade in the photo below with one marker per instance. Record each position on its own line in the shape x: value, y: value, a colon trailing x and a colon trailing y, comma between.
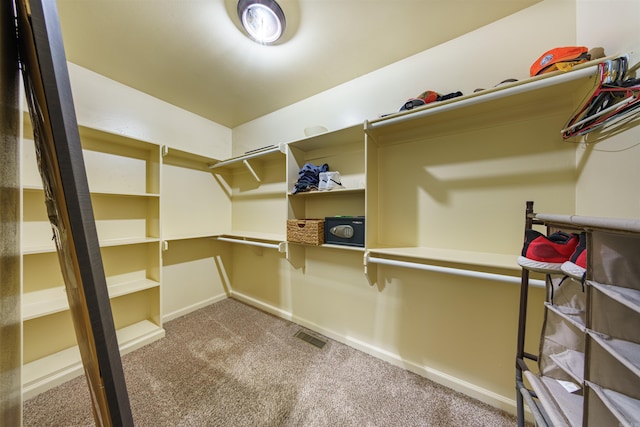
x: 263, y: 20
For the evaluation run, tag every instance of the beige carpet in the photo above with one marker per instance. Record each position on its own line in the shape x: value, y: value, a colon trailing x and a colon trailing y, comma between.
x: 230, y: 364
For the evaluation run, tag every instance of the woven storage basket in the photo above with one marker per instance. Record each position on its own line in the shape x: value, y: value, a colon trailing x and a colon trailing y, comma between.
x: 306, y: 231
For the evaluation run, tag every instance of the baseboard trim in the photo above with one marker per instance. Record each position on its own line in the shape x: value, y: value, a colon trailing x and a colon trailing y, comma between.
x: 486, y: 396
x: 189, y: 309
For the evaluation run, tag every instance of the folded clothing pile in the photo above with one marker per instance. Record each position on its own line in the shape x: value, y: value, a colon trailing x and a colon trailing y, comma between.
x: 309, y: 177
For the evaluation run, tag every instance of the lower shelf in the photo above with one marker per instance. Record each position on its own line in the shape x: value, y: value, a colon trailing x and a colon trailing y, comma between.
x: 482, y: 259
x: 53, y: 300
x: 55, y: 369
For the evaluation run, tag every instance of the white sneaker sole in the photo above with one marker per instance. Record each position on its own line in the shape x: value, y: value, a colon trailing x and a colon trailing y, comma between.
x: 540, y: 266
x: 572, y: 270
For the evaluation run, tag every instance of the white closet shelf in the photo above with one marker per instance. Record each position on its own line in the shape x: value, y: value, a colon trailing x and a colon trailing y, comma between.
x: 343, y: 247
x: 337, y: 191
x: 111, y: 138
x: 129, y: 241
x: 533, y: 96
x: 50, y: 247
x: 332, y: 139
x: 105, y: 136
x: 39, y: 249
x: 482, y: 259
x: 39, y: 188
x: 281, y: 246
x: 330, y: 246
x: 174, y: 237
x: 255, y: 235
x: 170, y: 153
x: 53, y: 300
x: 277, y: 151
x: 61, y: 366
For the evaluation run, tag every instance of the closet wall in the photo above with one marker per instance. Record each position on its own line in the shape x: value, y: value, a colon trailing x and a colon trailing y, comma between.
x: 462, y: 189
x: 612, y: 193
x: 155, y: 237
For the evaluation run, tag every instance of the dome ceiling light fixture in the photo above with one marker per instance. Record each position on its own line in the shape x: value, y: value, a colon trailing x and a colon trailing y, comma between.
x: 263, y: 20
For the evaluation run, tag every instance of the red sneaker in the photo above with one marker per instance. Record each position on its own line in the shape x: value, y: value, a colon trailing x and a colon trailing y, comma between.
x: 546, y: 254
x: 577, y: 264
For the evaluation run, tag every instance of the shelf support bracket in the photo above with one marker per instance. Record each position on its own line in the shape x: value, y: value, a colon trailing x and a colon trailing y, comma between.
x: 252, y: 170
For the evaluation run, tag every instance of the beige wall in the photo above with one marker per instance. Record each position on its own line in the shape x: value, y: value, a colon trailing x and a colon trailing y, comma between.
x: 608, y: 163
x: 99, y: 105
x: 480, y: 59
x: 460, y: 332
x: 457, y: 331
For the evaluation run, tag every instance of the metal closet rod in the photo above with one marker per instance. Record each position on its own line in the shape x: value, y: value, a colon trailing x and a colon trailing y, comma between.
x: 457, y: 271
x: 250, y: 242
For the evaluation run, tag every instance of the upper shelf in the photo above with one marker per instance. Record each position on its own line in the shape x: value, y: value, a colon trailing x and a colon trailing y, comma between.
x: 338, y: 191
x: 333, y: 138
x: 540, y: 95
x: 269, y: 153
x: 197, y: 161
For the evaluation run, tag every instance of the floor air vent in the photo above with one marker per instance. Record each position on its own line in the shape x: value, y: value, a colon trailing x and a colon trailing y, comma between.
x: 310, y: 339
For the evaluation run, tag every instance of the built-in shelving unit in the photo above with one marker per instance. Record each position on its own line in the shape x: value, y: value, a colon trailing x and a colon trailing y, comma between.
x: 247, y: 160
x: 124, y: 183
x: 434, y: 155
x: 256, y: 188
x: 343, y: 151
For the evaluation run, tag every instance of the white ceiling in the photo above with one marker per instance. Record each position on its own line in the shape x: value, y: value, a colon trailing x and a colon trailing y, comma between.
x: 192, y: 54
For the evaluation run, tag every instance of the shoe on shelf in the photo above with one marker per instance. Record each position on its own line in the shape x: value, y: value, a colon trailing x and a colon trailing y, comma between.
x: 546, y: 254
x: 577, y: 264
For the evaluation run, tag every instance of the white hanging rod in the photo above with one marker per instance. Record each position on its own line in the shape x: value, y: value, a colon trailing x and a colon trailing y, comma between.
x: 245, y: 157
x: 456, y: 271
x: 490, y: 96
x: 250, y: 242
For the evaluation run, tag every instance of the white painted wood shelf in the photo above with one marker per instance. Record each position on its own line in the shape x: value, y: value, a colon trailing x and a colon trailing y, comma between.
x: 52, y: 300
x: 63, y: 365
x: 539, y: 95
x: 124, y: 184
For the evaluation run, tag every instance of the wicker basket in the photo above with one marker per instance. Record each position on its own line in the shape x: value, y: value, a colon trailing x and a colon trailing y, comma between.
x: 306, y: 231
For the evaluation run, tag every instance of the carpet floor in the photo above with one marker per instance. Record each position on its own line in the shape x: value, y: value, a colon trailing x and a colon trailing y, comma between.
x: 230, y: 364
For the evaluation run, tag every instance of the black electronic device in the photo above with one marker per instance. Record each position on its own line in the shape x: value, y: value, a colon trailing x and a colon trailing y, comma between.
x: 344, y: 230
